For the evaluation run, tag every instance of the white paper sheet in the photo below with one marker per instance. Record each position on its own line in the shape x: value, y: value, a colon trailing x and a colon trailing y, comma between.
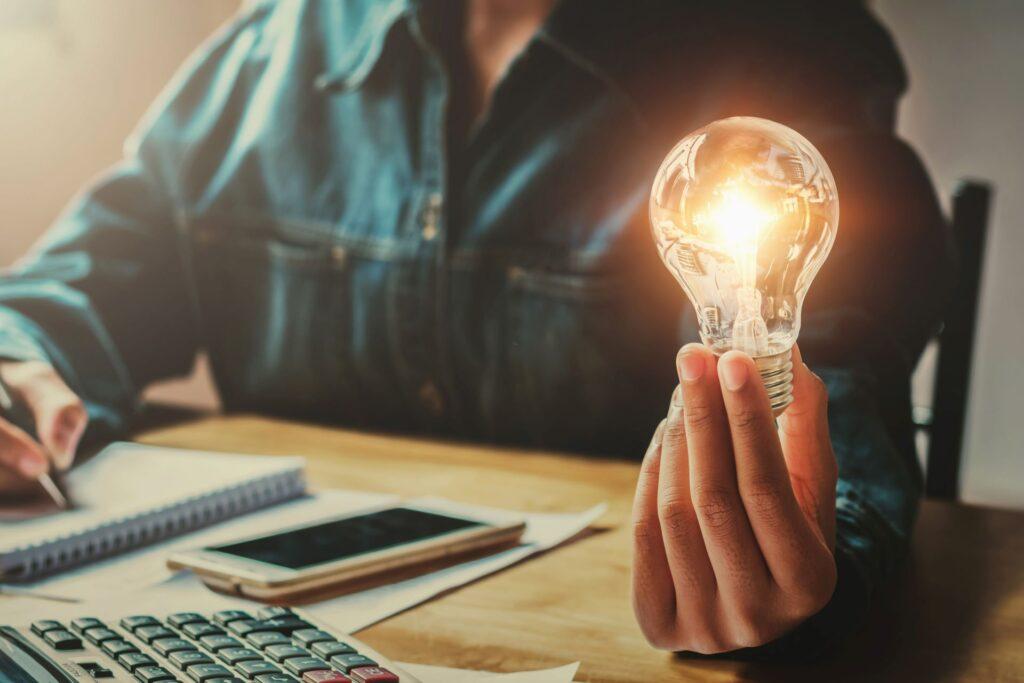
x: 142, y: 580
x: 351, y: 613
x: 442, y: 674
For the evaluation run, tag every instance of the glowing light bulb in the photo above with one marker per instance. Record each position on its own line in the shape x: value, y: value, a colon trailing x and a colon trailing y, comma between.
x: 744, y: 211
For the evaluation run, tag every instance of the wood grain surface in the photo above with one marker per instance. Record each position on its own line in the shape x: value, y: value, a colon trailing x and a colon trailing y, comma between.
x: 957, y: 615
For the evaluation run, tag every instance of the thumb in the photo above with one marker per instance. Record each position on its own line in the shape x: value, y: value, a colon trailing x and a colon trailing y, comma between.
x: 807, y: 447
x: 59, y: 414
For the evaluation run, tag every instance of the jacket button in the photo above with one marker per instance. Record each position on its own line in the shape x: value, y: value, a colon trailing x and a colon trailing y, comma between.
x: 432, y: 215
x: 338, y: 255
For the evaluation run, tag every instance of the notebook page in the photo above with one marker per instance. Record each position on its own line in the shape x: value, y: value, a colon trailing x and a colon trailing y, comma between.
x: 127, y: 479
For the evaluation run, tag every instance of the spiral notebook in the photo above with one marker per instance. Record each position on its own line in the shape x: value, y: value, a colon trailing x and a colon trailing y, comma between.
x: 129, y: 496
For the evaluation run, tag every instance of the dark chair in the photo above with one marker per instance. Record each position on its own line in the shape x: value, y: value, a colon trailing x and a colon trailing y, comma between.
x: 945, y: 426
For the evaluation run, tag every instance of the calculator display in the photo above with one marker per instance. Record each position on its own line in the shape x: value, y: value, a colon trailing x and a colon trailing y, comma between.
x: 346, y: 538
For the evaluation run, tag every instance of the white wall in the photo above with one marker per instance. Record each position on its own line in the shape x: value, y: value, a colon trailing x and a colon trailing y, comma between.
x: 965, y: 115
x: 74, y: 80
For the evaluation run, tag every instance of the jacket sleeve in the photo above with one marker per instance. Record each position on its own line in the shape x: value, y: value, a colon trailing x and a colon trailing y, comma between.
x: 105, y: 295
x: 879, y: 302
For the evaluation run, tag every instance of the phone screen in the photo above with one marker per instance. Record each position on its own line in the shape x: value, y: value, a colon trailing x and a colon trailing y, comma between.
x: 345, y: 538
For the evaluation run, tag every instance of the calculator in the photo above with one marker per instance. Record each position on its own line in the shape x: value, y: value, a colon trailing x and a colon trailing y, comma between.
x: 274, y: 645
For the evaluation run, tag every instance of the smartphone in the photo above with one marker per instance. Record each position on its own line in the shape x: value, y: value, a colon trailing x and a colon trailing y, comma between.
x: 349, y: 552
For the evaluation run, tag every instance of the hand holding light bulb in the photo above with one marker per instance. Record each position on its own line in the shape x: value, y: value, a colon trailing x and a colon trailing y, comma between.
x: 734, y: 518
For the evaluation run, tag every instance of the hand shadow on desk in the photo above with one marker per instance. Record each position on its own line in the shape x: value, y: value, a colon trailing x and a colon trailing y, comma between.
x: 924, y: 626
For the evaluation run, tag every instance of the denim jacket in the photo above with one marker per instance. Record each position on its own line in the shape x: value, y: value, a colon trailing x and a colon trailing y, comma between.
x: 287, y: 207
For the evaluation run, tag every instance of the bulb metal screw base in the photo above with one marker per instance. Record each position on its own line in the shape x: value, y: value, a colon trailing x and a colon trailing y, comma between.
x: 777, y: 375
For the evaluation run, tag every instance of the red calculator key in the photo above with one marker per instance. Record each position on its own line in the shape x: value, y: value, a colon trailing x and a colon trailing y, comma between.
x: 372, y: 674
x: 325, y: 677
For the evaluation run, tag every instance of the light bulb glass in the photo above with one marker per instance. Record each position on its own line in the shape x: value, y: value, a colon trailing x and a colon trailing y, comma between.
x: 744, y: 212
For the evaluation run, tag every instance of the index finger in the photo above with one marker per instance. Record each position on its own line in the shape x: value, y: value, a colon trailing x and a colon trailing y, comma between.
x: 782, y: 531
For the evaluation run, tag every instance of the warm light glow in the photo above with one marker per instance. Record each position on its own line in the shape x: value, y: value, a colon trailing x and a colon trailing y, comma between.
x: 738, y: 218
x: 744, y: 212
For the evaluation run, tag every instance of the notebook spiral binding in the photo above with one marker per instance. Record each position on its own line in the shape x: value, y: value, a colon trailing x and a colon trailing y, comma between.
x: 38, y: 560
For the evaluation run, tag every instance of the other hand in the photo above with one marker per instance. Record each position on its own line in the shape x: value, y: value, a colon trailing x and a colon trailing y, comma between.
x: 60, y: 419
x: 734, y: 517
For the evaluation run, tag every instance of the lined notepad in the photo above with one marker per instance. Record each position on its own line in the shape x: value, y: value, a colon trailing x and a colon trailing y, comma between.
x: 130, y: 495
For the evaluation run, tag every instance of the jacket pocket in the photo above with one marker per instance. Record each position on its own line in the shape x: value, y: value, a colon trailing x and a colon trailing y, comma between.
x: 269, y: 312
x: 566, y: 359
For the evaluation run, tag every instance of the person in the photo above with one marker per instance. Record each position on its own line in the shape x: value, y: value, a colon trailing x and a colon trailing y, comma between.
x: 430, y: 217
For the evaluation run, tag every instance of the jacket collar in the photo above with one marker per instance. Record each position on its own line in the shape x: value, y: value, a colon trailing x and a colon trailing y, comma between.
x: 579, y: 30
x: 363, y: 26
x: 633, y: 46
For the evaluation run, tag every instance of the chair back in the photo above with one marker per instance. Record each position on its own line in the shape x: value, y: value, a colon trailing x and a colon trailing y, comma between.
x: 946, y: 426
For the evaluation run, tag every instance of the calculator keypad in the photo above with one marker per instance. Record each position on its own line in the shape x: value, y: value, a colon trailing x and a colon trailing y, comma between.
x: 231, y: 646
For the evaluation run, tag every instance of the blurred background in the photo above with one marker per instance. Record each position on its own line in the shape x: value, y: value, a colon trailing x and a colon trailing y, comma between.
x: 77, y: 76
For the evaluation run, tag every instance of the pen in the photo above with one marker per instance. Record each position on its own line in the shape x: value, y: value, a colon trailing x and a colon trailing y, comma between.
x: 44, y: 479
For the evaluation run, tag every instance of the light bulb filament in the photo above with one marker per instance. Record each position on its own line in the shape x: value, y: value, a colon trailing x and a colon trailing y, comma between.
x: 738, y: 219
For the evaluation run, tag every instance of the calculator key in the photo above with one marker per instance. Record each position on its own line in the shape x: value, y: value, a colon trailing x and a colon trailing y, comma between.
x: 328, y: 650
x: 276, y: 678
x: 300, y: 665
x: 62, y: 640
x: 265, y: 640
x: 100, y: 634
x: 279, y: 653
x: 118, y: 647
x: 166, y: 646
x: 229, y: 615
x: 372, y: 674
x: 138, y: 621
x: 83, y: 623
x: 133, y: 660
x: 225, y: 679
x: 273, y: 611
x: 325, y: 677
x: 346, y: 663
x: 150, y: 633
x: 244, y: 627
x: 286, y: 624
x: 204, y: 672
x: 257, y: 667
x: 96, y: 670
x: 199, y: 630
x: 216, y: 643
x: 151, y: 674
x: 234, y: 655
x: 41, y: 627
x: 186, y: 658
x: 181, y: 618
x: 308, y: 636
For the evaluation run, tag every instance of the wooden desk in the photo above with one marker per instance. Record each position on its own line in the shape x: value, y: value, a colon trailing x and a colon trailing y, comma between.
x: 959, y: 617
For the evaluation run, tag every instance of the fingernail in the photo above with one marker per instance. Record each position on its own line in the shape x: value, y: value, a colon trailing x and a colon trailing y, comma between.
x: 677, y: 396
x: 64, y: 458
x: 733, y: 372
x: 31, y: 467
x: 691, y: 366
x: 68, y: 440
